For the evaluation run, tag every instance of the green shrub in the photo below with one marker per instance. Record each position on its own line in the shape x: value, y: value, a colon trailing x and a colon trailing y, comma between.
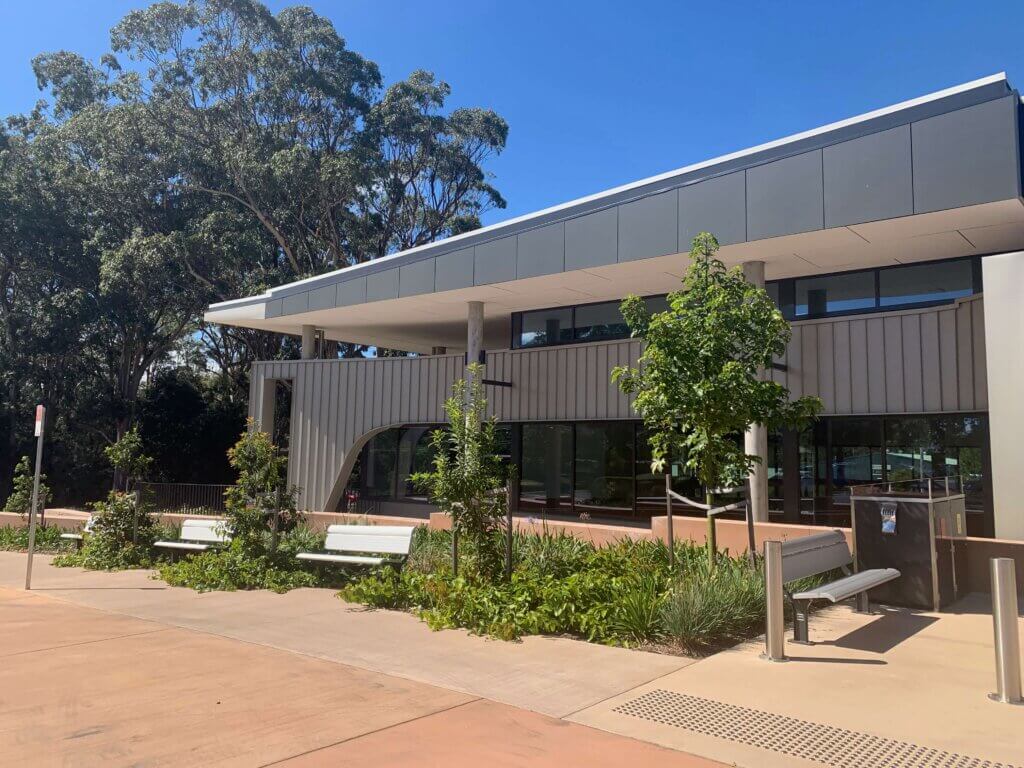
x: 122, y: 536
x: 621, y: 594
x: 20, y: 500
x: 47, y: 539
x: 706, y: 609
x: 236, y: 567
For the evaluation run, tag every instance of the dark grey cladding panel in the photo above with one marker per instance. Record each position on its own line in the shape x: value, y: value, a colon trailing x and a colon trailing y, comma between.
x: 416, y: 278
x: 274, y: 308
x: 323, y: 298
x: 541, y: 251
x: 784, y: 197
x: 592, y: 240
x: 297, y: 302
x: 454, y: 270
x: 966, y: 157
x: 869, y: 178
x: 352, y: 292
x: 718, y: 206
x: 381, y: 286
x: 495, y: 262
x: 649, y: 227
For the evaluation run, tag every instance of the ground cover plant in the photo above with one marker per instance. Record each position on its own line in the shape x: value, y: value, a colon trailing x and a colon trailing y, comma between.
x: 47, y: 539
x: 621, y: 594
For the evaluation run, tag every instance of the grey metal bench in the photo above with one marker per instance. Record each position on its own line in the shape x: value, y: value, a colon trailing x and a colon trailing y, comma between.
x: 344, y: 541
x: 820, y: 553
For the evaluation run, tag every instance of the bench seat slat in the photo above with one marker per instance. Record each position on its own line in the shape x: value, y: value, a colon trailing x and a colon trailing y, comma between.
x: 326, y: 558
x: 849, y: 586
x: 191, y: 546
x: 72, y: 536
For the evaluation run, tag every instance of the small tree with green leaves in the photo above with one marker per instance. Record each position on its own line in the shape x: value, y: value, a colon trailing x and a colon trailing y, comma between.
x: 468, y: 478
x: 20, y: 500
x: 700, y: 381
x: 128, y: 459
x: 259, y: 504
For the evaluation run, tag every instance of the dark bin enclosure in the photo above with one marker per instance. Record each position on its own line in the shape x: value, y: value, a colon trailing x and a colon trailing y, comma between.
x: 919, y: 528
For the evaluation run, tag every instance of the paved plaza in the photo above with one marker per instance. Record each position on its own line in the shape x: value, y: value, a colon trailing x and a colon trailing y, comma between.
x: 119, y: 669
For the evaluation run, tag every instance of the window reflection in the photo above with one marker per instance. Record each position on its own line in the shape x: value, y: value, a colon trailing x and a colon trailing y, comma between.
x: 604, y: 467
x: 835, y: 293
x: 546, y: 475
x: 925, y: 283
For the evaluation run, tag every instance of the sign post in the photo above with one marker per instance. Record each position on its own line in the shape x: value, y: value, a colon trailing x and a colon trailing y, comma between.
x: 40, y: 418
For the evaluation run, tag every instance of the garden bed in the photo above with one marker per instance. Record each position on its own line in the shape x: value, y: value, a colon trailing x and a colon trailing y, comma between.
x: 621, y: 594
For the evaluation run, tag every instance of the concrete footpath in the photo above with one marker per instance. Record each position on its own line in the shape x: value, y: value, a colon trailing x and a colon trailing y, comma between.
x: 85, y: 687
x: 123, y: 667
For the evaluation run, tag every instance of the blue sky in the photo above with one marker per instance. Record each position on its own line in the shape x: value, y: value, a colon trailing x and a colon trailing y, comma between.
x: 602, y: 93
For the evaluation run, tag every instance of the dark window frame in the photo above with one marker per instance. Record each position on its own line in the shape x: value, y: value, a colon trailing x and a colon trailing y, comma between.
x: 517, y: 323
x: 787, y: 290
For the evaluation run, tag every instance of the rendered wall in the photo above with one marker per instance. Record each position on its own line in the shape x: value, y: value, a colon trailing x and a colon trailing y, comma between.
x: 1004, y: 340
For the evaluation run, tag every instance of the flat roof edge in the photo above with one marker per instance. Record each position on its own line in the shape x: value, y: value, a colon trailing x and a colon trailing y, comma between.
x: 953, y: 98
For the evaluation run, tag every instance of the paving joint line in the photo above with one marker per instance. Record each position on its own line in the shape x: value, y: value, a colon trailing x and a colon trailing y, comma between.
x: 372, y: 732
x: 84, y: 642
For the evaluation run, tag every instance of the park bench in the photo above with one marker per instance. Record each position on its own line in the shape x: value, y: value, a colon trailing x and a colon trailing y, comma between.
x: 198, y: 536
x: 821, y: 553
x: 363, y: 545
x: 79, y: 538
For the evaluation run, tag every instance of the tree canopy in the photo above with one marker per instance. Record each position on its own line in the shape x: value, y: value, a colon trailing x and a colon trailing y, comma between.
x: 700, y: 380
x: 216, y: 150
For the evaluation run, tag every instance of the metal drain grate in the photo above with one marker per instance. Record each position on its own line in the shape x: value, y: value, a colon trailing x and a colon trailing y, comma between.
x: 826, y: 744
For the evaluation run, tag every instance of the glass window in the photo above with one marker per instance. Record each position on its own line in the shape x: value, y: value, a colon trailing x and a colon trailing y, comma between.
x: 604, y: 467
x: 378, y: 471
x: 774, y: 468
x: 548, y: 326
x: 656, y: 304
x: 415, y: 454
x: 835, y: 293
x: 856, y: 455
x: 772, y: 289
x: 600, y: 321
x: 925, y: 283
x: 546, y: 478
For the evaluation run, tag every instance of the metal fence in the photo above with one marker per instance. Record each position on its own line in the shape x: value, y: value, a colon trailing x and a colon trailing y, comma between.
x: 190, y: 498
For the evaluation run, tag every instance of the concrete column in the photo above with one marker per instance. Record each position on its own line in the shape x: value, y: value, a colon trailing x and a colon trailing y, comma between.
x: 756, y: 438
x: 308, y: 342
x: 1003, y: 277
x: 474, y: 331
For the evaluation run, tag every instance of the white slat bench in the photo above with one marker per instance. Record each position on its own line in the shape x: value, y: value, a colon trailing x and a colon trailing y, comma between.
x: 79, y: 538
x: 198, y: 536
x: 820, y: 553
x: 371, y: 541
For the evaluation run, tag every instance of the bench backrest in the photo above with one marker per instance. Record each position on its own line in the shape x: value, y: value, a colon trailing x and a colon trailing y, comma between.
x: 381, y: 539
x: 810, y: 555
x: 205, y: 531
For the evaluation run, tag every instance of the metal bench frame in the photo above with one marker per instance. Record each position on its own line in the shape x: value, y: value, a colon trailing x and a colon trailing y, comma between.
x: 370, y: 540
x: 820, y: 553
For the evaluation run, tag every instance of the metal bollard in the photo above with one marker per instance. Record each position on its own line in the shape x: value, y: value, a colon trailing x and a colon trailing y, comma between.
x: 774, y: 638
x: 1004, y: 624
